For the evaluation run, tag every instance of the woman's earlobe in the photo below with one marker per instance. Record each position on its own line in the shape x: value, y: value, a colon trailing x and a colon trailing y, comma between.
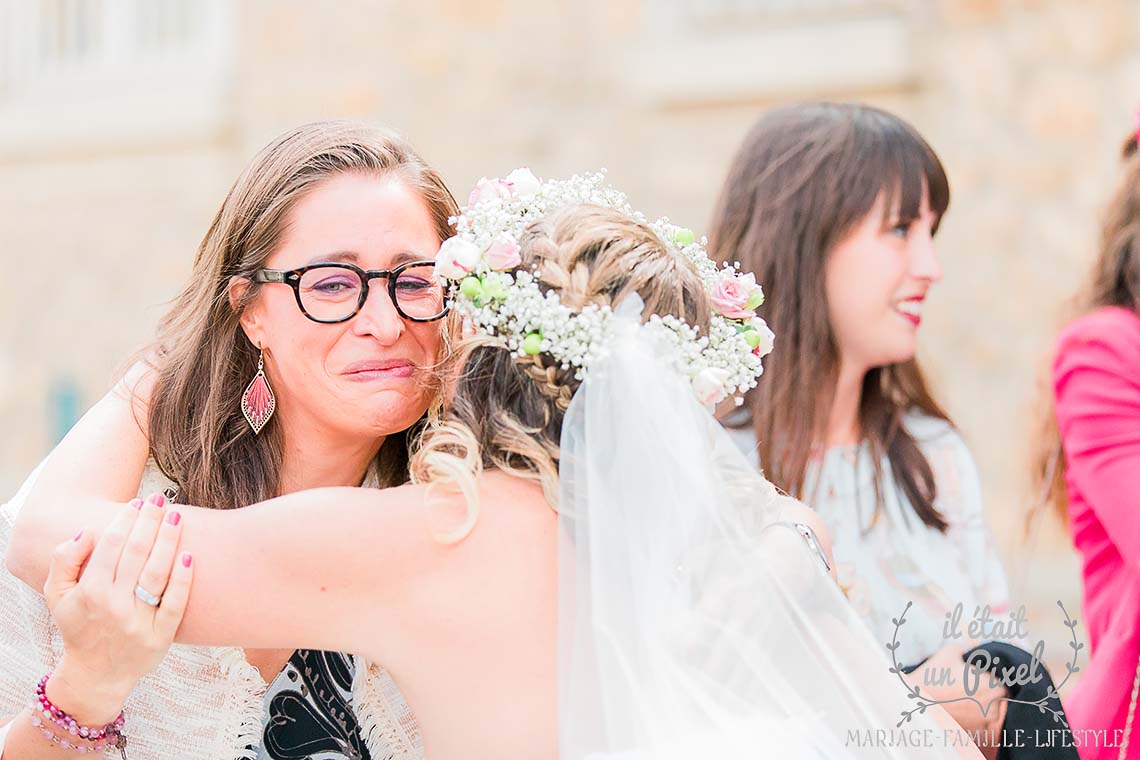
x: 247, y: 314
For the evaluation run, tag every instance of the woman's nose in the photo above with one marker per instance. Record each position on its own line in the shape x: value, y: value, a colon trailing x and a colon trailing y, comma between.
x: 378, y: 317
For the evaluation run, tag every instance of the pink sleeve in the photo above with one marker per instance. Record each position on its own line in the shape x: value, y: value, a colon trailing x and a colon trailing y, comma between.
x: 1096, y: 384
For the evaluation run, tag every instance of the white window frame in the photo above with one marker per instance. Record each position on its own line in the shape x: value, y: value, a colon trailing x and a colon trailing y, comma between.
x: 148, y: 70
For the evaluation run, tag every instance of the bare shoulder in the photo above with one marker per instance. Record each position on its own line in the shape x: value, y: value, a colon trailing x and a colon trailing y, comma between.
x: 134, y: 392
x: 795, y: 511
x: 104, y: 454
x: 139, y: 379
x: 99, y: 462
x: 507, y: 508
x: 509, y: 496
x: 500, y: 497
x: 414, y: 525
x: 504, y: 567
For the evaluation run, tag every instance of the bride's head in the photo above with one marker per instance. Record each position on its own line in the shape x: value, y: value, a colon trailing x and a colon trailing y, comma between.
x: 506, y: 406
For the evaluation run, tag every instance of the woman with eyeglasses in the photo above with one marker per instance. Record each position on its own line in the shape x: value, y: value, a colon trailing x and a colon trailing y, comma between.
x: 301, y: 354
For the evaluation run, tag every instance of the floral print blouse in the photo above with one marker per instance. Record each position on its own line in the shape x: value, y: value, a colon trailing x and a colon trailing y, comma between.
x: 886, y: 557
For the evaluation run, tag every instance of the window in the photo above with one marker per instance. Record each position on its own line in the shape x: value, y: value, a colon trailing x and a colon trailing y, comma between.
x: 739, y: 50
x: 82, y: 70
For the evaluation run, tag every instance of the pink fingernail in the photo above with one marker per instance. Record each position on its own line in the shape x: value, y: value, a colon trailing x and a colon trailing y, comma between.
x: 186, y: 559
x: 158, y: 500
x: 78, y: 535
x: 137, y: 503
x: 174, y: 518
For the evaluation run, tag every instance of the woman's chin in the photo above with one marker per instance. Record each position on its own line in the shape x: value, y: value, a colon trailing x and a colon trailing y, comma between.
x: 379, y: 408
x: 904, y: 355
x: 379, y: 392
x: 394, y: 413
x: 899, y: 353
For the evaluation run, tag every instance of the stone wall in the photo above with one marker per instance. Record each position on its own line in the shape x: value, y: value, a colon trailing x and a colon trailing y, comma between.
x: 103, y: 200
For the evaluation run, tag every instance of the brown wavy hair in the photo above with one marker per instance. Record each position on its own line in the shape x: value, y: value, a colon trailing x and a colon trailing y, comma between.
x: 804, y: 177
x: 507, y: 410
x: 1113, y: 281
x: 202, y: 358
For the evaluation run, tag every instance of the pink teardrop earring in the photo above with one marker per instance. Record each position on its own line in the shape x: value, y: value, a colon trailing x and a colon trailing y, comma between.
x: 258, y: 401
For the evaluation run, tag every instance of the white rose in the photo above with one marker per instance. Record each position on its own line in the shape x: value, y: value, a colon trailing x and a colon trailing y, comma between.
x: 456, y: 258
x: 767, y: 337
x: 523, y: 182
x: 709, y: 385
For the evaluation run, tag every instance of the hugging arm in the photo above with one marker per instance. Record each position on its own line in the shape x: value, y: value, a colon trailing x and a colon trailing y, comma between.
x: 320, y: 569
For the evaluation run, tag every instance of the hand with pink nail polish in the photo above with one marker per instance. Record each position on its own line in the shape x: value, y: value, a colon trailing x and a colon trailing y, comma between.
x: 118, y: 602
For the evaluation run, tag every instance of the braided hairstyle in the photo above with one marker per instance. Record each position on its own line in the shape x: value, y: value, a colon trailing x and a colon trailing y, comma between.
x: 506, y: 410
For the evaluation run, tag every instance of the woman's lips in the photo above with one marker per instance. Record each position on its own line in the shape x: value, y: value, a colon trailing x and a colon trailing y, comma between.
x: 379, y: 370
x: 910, y: 310
x: 914, y: 320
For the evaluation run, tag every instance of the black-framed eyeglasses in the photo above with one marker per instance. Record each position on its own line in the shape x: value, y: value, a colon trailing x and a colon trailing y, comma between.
x: 330, y: 292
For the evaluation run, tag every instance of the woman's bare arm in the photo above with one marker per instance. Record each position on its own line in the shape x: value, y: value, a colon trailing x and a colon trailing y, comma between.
x: 328, y: 568
x: 355, y: 569
x: 93, y: 471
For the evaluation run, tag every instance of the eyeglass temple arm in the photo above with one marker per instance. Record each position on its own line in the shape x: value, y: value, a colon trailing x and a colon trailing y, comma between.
x: 269, y: 275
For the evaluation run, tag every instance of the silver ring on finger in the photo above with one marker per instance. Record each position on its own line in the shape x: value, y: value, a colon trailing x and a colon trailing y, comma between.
x: 146, y: 597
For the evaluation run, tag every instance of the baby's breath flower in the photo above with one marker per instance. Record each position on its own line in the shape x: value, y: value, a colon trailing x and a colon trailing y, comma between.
x: 500, y: 300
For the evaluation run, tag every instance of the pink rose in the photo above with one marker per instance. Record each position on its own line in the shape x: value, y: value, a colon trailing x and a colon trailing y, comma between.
x: 456, y: 258
x: 488, y: 189
x: 503, y: 253
x: 731, y: 294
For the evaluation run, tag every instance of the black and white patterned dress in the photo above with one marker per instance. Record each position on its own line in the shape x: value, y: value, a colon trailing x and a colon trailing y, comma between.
x: 308, y: 711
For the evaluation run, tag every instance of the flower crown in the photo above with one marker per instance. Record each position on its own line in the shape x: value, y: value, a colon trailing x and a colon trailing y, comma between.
x: 481, y: 269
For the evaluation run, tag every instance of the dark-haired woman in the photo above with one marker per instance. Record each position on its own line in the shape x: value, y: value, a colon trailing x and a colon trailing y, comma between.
x: 1096, y: 386
x: 835, y: 207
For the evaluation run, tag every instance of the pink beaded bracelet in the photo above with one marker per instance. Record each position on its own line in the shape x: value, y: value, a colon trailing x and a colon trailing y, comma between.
x: 96, y: 740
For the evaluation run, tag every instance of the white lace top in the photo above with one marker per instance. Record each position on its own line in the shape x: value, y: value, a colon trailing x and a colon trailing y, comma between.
x: 201, y: 703
x: 887, y: 557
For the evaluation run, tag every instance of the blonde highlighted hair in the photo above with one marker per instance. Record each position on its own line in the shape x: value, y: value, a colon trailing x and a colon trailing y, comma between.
x: 506, y: 411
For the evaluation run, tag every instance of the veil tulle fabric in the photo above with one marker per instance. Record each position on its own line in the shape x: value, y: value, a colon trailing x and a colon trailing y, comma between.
x: 694, y: 622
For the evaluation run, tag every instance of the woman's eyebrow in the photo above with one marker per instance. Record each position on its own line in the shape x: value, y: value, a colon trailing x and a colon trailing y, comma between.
x: 350, y: 256
x: 353, y: 257
x: 408, y: 255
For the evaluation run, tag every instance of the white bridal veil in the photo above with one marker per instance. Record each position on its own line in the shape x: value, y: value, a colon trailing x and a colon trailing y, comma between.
x: 694, y: 622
